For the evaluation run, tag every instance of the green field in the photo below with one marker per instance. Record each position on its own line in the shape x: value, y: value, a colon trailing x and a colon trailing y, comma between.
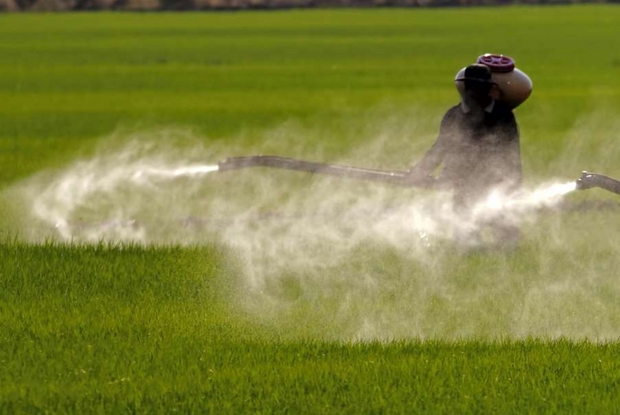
x: 271, y: 292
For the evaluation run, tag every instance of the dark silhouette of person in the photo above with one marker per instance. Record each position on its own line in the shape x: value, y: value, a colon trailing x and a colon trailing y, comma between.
x: 478, y: 145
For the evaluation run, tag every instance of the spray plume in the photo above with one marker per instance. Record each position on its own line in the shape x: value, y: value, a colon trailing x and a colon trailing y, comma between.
x: 330, y: 258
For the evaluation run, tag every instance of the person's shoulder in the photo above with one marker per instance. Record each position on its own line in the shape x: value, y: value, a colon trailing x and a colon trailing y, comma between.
x: 453, y: 112
x: 451, y: 117
x: 454, y: 108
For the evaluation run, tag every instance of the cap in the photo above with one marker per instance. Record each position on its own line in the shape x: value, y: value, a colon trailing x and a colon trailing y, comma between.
x: 477, y: 73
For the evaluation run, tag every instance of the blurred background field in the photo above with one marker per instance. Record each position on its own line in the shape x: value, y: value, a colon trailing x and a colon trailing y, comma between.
x: 151, y: 328
x: 67, y: 80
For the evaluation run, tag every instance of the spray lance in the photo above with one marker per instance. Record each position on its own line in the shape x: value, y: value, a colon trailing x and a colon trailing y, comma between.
x: 590, y: 180
x: 398, y: 177
x: 401, y: 178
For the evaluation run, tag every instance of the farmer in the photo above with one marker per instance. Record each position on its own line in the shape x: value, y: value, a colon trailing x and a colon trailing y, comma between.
x: 478, y: 144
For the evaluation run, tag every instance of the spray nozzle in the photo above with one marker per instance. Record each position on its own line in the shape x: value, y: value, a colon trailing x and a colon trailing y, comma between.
x: 590, y: 180
x: 586, y: 181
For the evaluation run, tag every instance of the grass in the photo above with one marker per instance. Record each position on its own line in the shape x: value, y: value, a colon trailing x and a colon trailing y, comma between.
x: 119, y: 329
x: 126, y: 328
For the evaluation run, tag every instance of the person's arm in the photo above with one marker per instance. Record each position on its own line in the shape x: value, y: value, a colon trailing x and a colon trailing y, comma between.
x: 422, y: 171
x: 513, y: 152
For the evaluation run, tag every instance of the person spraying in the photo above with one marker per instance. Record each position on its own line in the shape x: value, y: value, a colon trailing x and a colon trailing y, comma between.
x: 478, y: 145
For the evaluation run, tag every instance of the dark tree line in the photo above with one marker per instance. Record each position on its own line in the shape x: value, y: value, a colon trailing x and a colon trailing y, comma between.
x: 68, y: 5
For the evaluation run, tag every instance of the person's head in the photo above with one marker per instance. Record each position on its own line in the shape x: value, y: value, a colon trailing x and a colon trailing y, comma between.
x: 478, y: 84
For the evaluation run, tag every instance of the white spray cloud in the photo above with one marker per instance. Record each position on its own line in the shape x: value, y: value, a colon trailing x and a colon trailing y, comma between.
x: 322, y: 256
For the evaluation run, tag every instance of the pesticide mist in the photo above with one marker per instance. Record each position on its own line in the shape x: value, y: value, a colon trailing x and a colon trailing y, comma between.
x: 323, y: 257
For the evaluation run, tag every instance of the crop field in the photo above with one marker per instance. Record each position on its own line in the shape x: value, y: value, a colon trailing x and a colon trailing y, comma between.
x: 130, y: 283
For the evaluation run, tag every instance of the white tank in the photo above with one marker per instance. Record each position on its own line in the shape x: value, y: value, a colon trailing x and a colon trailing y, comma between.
x: 513, y: 86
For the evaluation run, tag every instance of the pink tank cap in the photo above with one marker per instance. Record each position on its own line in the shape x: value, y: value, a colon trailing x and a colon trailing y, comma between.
x: 497, y: 63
